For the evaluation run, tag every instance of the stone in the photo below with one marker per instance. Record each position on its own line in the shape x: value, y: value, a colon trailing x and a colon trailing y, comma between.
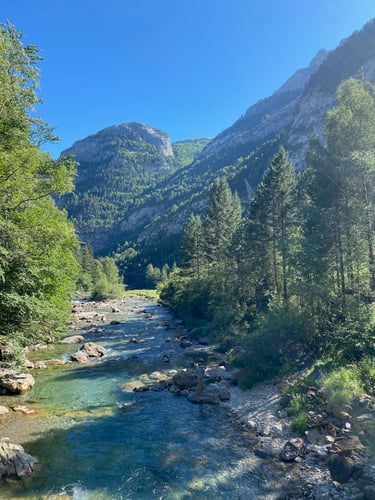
x: 292, y: 449
x: 265, y: 448
x: 340, y: 468
x: 185, y: 379
x: 130, y: 386
x: 3, y: 410
x: 17, y: 383
x: 346, y: 445
x: 24, y: 409
x: 88, y: 351
x: 115, y: 322
x: 73, y: 339
x: 320, y: 451
x: 79, y: 357
x: 158, y: 376
x: 14, y: 462
x: 28, y: 364
x: 93, y: 350
x: 116, y: 310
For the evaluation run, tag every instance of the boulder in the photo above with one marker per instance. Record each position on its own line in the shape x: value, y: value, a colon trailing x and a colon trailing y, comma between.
x: 346, y: 445
x: 88, y: 351
x: 93, y: 350
x: 186, y: 379
x: 266, y: 448
x: 17, y: 383
x: 340, y: 468
x: 14, y: 462
x: 292, y: 449
x: 79, y: 357
x: 73, y: 339
x: 3, y: 410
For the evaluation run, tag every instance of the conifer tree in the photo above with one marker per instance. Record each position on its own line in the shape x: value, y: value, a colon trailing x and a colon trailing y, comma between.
x: 270, y: 226
x: 222, y: 219
x: 192, y: 252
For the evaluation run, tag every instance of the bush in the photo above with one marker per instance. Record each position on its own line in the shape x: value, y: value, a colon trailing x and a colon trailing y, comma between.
x: 275, y: 345
x: 300, y: 423
x: 353, y: 338
x: 342, y: 386
x: 367, y: 373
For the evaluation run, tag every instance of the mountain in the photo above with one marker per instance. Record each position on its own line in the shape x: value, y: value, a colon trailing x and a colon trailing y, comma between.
x: 134, y: 185
x: 118, y: 167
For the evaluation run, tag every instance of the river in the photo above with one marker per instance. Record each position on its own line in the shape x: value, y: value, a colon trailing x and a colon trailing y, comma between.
x: 97, y: 439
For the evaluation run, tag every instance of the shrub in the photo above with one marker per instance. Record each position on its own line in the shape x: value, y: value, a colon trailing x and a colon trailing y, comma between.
x: 275, y: 345
x: 342, y: 386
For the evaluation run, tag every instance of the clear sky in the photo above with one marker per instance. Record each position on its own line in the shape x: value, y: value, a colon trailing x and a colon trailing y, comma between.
x: 187, y: 67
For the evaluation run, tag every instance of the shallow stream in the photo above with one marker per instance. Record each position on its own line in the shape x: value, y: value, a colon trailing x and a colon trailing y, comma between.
x: 97, y: 439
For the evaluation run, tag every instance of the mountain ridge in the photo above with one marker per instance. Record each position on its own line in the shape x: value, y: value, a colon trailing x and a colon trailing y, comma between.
x: 242, y: 152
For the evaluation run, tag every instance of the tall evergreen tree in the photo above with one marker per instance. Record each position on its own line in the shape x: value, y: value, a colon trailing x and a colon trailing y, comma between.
x: 271, y: 222
x: 339, y: 229
x: 192, y: 252
x: 222, y: 219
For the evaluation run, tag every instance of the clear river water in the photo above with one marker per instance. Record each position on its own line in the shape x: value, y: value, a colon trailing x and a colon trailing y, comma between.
x: 97, y: 439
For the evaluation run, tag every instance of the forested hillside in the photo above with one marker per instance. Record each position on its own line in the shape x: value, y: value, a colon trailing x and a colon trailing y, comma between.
x: 292, y: 280
x: 133, y: 199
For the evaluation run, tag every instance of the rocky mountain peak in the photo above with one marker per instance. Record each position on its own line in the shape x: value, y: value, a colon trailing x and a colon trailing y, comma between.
x: 134, y: 135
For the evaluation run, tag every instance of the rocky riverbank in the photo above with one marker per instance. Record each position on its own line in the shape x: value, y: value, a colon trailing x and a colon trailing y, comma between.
x: 332, y: 460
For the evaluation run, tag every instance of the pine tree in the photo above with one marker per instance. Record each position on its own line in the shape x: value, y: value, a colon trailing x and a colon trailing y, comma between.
x: 192, y: 252
x: 222, y: 219
x: 270, y: 227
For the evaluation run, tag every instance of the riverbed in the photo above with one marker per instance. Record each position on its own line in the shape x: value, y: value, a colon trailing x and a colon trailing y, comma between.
x: 95, y: 438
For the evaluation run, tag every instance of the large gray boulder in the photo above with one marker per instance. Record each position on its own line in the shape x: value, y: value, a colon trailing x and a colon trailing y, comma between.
x: 186, y: 379
x: 16, y: 383
x: 14, y: 462
x: 88, y: 351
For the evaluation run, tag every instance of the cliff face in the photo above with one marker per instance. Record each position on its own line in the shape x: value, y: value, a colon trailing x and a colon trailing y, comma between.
x: 269, y: 116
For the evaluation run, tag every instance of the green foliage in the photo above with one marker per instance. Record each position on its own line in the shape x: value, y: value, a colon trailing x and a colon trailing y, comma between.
x: 186, y: 151
x: 107, y: 281
x: 300, y: 423
x: 37, y: 243
x: 343, y: 386
x: 278, y: 339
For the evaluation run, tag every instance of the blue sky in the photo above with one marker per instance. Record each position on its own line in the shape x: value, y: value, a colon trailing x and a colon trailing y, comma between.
x: 187, y: 67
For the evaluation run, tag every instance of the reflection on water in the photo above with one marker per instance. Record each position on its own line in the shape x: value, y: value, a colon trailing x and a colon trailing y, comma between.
x: 97, y: 441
